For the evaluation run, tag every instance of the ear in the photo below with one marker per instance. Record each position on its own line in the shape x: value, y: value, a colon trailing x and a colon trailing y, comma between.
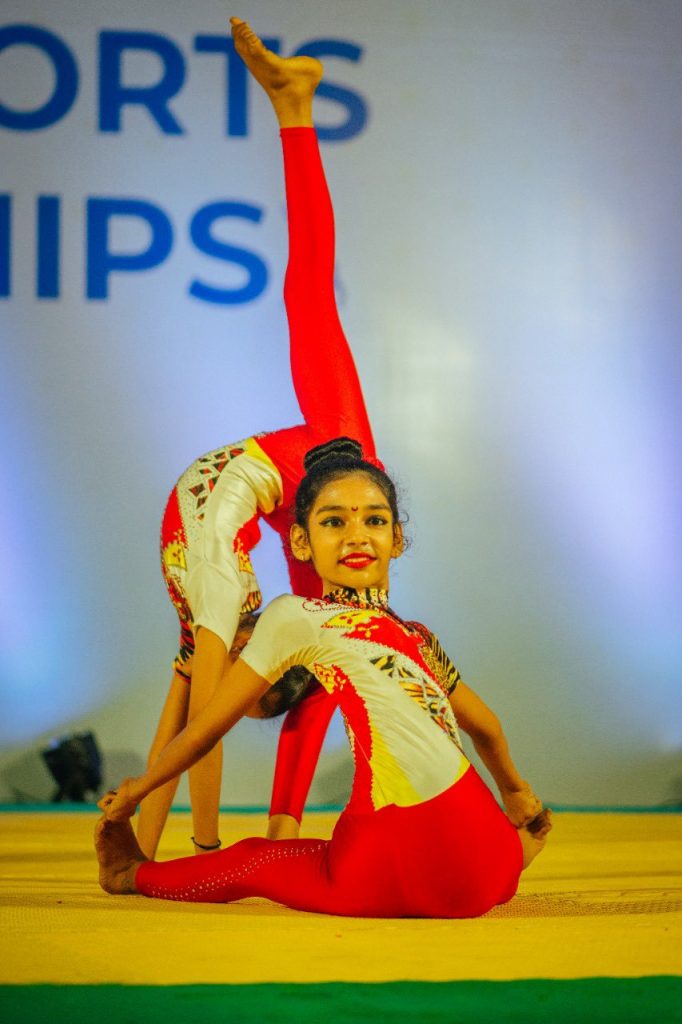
x: 300, y: 545
x: 398, y: 541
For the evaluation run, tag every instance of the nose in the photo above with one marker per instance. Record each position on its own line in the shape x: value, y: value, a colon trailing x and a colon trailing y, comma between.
x: 356, y: 533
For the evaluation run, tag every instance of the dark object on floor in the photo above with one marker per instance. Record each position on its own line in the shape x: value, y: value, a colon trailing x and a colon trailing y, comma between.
x: 75, y: 763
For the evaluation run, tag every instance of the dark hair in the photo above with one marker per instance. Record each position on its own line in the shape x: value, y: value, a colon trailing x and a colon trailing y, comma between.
x: 290, y: 688
x: 331, y: 461
x: 287, y: 692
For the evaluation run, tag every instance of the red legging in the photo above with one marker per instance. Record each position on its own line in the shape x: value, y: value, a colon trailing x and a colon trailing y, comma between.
x: 298, y: 749
x: 323, y: 372
x: 456, y: 855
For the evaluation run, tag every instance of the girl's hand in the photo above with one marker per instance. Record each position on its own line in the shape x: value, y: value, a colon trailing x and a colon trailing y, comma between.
x: 521, y: 805
x: 119, y: 804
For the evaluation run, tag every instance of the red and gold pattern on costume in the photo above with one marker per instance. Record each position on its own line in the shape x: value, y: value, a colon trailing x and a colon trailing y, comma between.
x: 244, y: 542
x: 182, y: 527
x: 174, y: 568
x: 373, y: 620
x: 398, y: 715
x: 210, y: 466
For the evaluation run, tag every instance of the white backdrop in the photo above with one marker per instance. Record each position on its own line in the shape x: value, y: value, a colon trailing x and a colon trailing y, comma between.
x: 505, y: 175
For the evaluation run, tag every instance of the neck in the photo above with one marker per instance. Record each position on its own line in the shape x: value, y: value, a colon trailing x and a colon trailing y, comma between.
x: 329, y: 587
x: 365, y: 597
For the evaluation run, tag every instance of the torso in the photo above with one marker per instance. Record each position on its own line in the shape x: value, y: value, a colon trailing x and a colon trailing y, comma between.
x: 391, y: 690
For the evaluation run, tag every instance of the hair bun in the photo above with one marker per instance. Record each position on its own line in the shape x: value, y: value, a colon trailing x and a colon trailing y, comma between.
x: 338, y: 448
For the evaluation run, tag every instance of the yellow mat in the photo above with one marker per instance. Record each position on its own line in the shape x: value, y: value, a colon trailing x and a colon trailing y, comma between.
x: 604, y: 899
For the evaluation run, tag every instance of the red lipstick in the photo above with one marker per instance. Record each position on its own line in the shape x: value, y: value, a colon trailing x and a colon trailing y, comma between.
x: 357, y: 561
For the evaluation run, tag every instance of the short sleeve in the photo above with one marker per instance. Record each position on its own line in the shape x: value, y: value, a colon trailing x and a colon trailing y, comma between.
x: 438, y: 661
x: 284, y: 636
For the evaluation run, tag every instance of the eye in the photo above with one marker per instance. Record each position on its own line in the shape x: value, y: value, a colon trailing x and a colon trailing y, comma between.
x: 377, y: 521
x: 332, y: 521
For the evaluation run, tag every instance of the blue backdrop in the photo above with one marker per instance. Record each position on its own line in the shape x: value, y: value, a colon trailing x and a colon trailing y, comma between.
x: 506, y: 183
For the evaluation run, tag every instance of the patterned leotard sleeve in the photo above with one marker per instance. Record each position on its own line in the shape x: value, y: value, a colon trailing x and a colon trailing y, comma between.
x: 445, y: 672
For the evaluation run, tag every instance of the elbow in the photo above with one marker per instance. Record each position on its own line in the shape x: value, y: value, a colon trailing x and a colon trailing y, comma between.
x: 488, y: 735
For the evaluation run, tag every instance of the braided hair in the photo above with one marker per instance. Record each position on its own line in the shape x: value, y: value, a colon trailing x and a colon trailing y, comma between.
x: 331, y: 461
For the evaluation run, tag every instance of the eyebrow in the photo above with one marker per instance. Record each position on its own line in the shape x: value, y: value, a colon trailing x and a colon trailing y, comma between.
x: 344, y: 508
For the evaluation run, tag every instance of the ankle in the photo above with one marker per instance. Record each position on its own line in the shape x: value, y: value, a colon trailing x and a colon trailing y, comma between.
x: 201, y: 847
x: 292, y: 112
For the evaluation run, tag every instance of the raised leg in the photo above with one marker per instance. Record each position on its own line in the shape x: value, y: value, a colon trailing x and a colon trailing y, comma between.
x: 323, y: 371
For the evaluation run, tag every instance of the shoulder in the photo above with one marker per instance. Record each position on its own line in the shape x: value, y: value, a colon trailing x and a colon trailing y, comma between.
x: 420, y: 629
x: 284, y: 636
x: 307, y: 614
x: 437, y: 659
x: 285, y: 608
x: 291, y: 603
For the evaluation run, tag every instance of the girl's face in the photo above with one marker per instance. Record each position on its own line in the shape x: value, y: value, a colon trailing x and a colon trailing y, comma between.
x: 351, y: 536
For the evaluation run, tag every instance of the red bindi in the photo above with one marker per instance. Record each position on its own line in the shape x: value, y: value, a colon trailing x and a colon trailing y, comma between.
x: 354, y: 508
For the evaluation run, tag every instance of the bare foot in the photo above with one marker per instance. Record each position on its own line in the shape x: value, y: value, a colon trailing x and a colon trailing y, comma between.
x: 534, y: 836
x: 290, y: 82
x: 118, y: 854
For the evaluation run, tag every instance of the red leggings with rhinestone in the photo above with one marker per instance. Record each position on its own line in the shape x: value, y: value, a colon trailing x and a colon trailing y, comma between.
x: 456, y: 855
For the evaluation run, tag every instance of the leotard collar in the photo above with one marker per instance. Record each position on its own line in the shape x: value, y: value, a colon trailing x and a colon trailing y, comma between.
x: 368, y: 597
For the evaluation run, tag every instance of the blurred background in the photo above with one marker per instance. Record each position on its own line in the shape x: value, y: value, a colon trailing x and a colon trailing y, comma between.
x: 506, y: 180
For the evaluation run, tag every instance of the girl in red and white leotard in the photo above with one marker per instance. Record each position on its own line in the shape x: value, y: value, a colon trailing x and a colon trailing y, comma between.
x: 421, y: 835
x: 210, y: 524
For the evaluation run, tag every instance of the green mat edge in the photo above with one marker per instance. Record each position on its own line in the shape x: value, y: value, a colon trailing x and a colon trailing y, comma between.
x: 79, y: 808
x: 606, y: 1000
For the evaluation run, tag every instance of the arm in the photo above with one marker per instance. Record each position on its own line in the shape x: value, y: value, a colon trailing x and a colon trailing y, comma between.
x: 242, y: 688
x: 298, y: 752
x: 484, y: 728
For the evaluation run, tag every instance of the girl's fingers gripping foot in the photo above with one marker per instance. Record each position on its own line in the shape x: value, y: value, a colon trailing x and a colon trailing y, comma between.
x: 541, y: 823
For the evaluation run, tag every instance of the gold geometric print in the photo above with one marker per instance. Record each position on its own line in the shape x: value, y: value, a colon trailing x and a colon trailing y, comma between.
x: 439, y: 663
x: 393, y: 667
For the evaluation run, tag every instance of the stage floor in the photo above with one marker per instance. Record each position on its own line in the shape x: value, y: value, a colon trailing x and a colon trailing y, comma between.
x: 604, y: 900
